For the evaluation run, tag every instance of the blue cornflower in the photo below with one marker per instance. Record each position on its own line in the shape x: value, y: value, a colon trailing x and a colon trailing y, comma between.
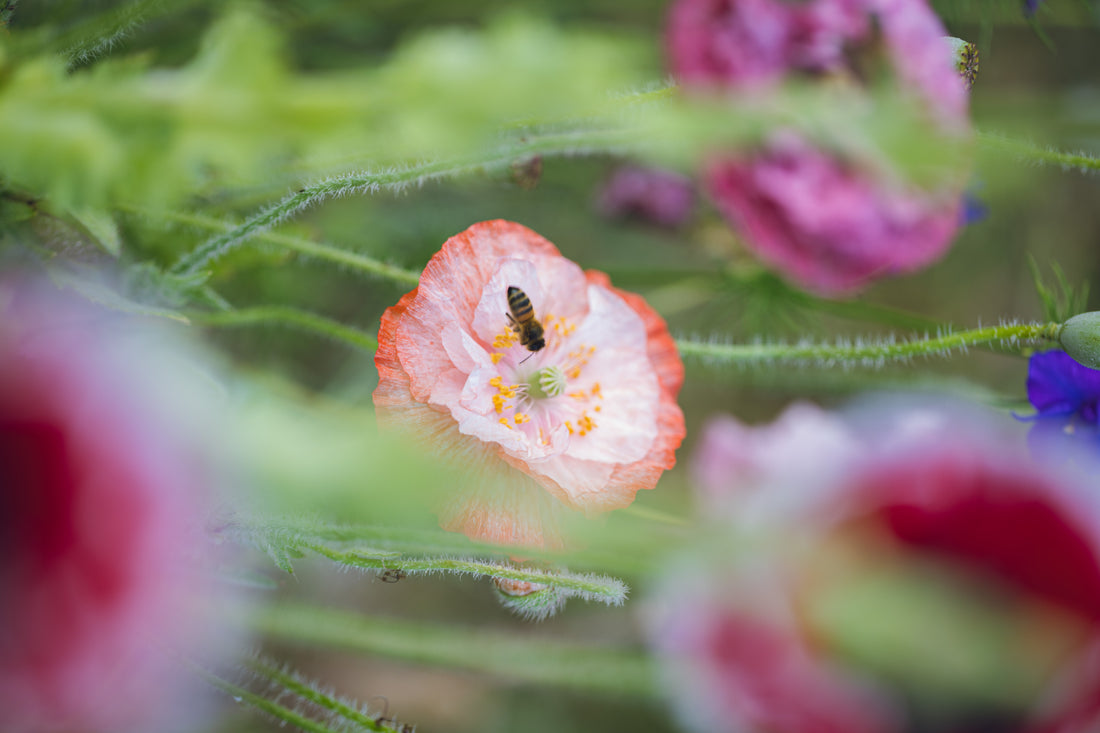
x: 1067, y: 397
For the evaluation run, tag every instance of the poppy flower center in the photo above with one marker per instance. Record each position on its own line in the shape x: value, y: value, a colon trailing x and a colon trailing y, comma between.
x: 545, y: 389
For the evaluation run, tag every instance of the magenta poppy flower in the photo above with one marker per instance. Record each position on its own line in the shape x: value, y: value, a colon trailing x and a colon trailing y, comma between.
x: 830, y: 224
x: 941, y: 581
x: 581, y: 423
x: 1067, y: 397
x: 823, y: 222
x: 100, y: 540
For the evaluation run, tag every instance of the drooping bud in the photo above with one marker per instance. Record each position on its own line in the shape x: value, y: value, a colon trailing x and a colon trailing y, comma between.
x: 965, y: 55
x: 1080, y: 337
x: 532, y: 601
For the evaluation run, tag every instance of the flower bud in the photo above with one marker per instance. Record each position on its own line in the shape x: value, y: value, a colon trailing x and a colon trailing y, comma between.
x: 1080, y: 337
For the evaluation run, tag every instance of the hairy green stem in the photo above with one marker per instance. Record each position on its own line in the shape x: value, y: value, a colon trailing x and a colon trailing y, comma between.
x: 567, y: 143
x: 352, y: 260
x: 274, y: 315
x: 1037, y: 154
x: 262, y: 704
x: 871, y: 353
x: 102, y: 32
x: 608, y: 590
x: 592, y: 668
x: 331, y: 704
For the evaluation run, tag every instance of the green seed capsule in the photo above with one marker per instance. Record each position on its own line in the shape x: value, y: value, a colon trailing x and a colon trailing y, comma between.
x: 1080, y: 337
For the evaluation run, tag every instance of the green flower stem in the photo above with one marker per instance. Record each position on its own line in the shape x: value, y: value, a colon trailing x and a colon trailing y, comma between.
x: 331, y: 704
x: 1037, y: 154
x: 607, y: 590
x: 871, y: 353
x: 344, y: 258
x: 590, y: 667
x: 274, y: 315
x: 568, y: 143
x: 264, y: 705
x: 621, y: 553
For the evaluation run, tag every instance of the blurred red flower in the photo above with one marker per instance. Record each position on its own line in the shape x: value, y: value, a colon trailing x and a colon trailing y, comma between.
x: 930, y: 575
x: 99, y: 528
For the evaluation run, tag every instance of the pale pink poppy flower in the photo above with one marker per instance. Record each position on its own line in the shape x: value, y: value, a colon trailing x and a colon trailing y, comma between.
x: 796, y: 627
x: 581, y: 424
x: 830, y: 224
x: 100, y: 529
x: 735, y: 462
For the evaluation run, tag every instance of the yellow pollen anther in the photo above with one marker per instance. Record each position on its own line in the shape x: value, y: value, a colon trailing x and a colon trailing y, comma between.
x: 578, y: 395
x: 586, y: 425
x: 503, y: 390
x: 505, y: 339
x: 521, y: 417
x: 498, y: 404
x: 574, y: 373
x: 496, y: 356
x: 596, y: 390
x: 504, y: 422
x: 597, y: 408
x: 569, y: 427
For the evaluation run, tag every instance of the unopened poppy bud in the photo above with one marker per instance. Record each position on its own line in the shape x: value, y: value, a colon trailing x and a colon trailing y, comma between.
x: 1080, y: 337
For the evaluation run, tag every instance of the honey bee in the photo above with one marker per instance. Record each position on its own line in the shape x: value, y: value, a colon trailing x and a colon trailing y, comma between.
x: 521, y: 316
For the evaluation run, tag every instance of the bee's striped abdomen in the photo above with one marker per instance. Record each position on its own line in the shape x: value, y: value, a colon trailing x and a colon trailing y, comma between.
x: 520, y: 305
x: 521, y: 314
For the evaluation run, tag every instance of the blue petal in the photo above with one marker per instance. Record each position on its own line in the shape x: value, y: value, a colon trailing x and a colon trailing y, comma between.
x: 1056, y: 384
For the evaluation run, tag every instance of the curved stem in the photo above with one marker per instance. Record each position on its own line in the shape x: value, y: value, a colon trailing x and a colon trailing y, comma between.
x: 567, y: 143
x: 352, y: 260
x: 872, y: 353
x: 606, y: 590
x: 284, y: 316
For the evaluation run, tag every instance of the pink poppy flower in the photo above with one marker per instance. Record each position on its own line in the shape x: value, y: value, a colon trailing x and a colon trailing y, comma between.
x: 583, y: 423
x: 942, y: 580
x: 830, y: 224
x: 99, y: 530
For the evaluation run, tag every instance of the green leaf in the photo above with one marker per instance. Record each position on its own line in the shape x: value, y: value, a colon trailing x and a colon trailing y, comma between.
x: 588, y: 668
x: 102, y: 228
